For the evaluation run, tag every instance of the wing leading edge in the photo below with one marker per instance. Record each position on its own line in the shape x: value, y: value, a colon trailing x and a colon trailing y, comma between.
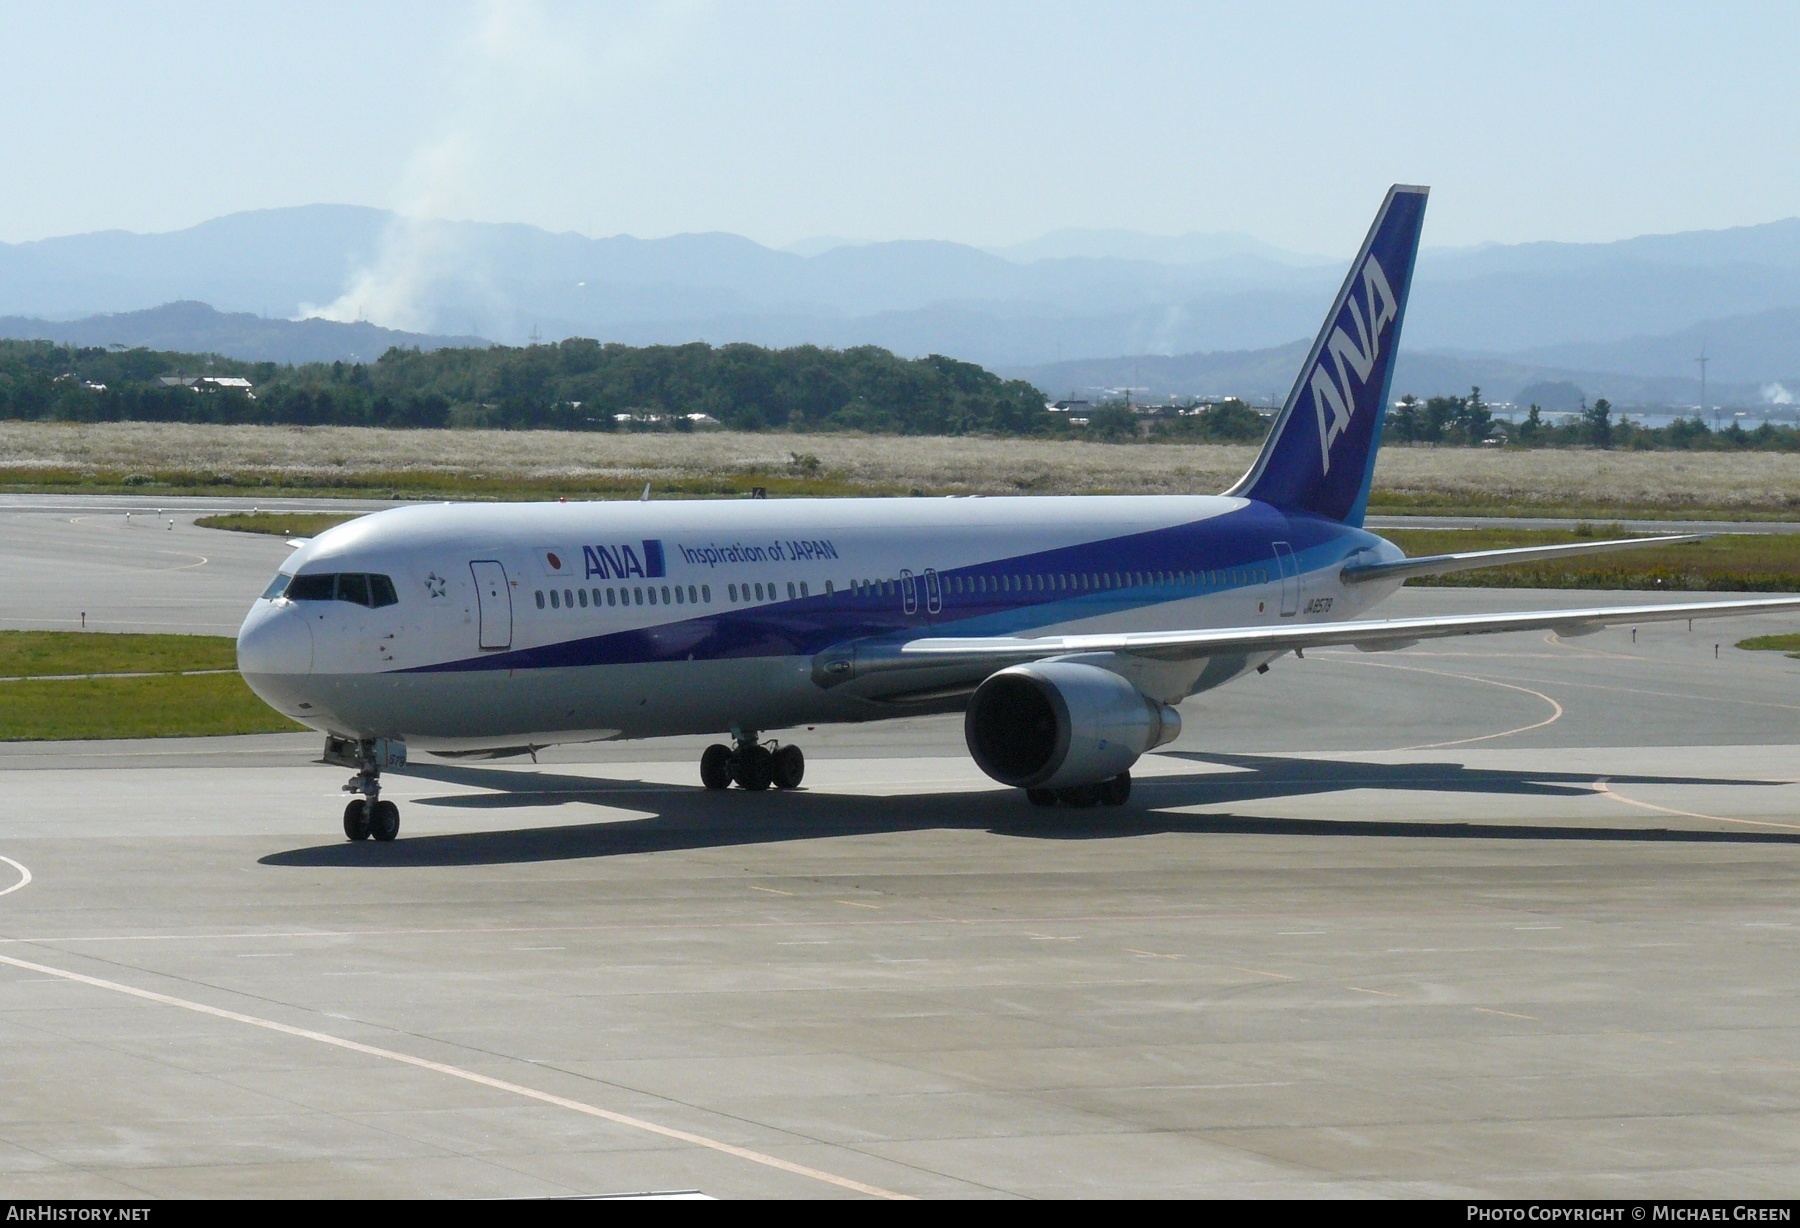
x: 849, y: 662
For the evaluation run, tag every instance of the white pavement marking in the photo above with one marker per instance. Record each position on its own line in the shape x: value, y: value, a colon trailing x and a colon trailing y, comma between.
x: 457, y: 1072
x: 1605, y: 790
x: 24, y: 875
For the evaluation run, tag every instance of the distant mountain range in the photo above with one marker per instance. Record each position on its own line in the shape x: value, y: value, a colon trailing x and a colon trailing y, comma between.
x: 1632, y: 314
x: 196, y: 328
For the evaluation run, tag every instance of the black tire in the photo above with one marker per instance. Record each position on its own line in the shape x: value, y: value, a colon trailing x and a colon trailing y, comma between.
x: 1041, y: 797
x: 789, y: 767
x: 356, y: 820
x: 755, y: 769
x: 384, y: 823
x: 1117, y: 791
x: 715, y: 767
x: 1080, y: 796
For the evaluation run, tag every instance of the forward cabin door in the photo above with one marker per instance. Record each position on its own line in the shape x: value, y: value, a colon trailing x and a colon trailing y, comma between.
x: 494, y: 597
x: 1290, y: 579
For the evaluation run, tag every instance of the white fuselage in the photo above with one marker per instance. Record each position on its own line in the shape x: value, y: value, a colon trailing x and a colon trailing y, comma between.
x: 528, y: 624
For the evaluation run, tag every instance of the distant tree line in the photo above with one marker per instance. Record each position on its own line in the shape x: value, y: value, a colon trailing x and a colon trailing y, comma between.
x: 572, y: 385
x: 584, y: 385
x: 1469, y: 421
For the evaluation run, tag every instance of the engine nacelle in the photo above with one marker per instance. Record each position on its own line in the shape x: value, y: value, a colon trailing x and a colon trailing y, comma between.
x: 1054, y: 724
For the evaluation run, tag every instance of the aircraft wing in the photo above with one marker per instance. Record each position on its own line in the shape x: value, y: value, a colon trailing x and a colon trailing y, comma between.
x: 866, y: 659
x: 1469, y: 560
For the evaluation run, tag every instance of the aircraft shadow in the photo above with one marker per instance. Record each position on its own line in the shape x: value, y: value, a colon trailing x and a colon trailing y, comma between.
x: 688, y: 817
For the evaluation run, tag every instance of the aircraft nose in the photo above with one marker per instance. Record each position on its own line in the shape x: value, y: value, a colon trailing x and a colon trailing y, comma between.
x: 274, y: 640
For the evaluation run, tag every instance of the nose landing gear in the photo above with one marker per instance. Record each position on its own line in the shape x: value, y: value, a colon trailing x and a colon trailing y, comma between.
x: 751, y: 765
x: 366, y: 816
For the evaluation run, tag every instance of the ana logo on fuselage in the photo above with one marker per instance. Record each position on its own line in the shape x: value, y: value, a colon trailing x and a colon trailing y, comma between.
x: 1335, y: 399
x: 622, y: 561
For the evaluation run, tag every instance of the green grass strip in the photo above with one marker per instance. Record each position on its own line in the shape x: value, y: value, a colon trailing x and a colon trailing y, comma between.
x: 160, y: 706
x: 278, y: 524
x: 36, y: 654
x: 1789, y: 644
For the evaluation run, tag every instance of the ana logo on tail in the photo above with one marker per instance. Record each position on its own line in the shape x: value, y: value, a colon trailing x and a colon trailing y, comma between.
x: 1335, y: 399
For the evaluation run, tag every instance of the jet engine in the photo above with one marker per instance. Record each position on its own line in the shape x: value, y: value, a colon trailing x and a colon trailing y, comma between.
x: 1057, y: 724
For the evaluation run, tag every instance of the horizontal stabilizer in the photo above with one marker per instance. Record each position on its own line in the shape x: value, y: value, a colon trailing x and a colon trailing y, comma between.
x: 1471, y: 560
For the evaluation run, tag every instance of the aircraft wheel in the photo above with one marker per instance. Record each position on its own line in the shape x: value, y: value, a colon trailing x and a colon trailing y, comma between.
x: 789, y: 766
x: 1117, y: 791
x: 715, y: 767
x: 754, y: 769
x: 356, y: 820
x: 1080, y: 796
x: 384, y: 823
x: 1041, y: 797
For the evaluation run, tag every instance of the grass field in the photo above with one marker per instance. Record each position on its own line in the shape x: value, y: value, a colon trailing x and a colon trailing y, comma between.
x: 1789, y: 644
x: 278, y: 524
x: 1734, y: 562
x: 127, y: 686
x: 177, y: 458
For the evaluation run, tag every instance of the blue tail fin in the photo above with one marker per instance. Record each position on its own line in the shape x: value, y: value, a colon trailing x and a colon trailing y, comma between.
x: 1320, y: 454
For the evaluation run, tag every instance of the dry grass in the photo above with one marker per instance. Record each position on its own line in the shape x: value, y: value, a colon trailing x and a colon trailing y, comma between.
x: 513, y: 463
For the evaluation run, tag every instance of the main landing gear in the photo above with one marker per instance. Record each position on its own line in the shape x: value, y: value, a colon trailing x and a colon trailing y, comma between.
x: 1112, y: 792
x: 752, y: 765
x: 368, y: 816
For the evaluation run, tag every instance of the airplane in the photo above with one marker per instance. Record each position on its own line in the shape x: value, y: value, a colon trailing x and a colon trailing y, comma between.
x: 1066, y: 629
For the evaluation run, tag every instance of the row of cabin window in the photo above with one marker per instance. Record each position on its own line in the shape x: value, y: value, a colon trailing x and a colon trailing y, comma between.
x: 1078, y: 582
x: 957, y: 585
x: 637, y: 595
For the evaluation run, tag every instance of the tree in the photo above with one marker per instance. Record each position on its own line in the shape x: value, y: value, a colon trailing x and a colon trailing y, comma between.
x: 1532, y: 429
x: 1596, y: 419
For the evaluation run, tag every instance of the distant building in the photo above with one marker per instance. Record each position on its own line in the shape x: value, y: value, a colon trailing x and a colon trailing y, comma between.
x: 209, y: 383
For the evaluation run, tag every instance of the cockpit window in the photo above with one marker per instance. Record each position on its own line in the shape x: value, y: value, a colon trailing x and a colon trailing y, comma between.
x: 356, y: 587
x: 277, y: 586
x: 353, y: 587
x: 312, y: 588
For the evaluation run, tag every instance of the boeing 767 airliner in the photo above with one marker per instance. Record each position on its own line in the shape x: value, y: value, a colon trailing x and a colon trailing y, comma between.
x: 1066, y: 629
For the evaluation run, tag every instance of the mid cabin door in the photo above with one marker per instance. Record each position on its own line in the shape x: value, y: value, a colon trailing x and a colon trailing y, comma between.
x: 494, y: 597
x: 909, y: 592
x: 934, y: 593
x: 1290, y: 579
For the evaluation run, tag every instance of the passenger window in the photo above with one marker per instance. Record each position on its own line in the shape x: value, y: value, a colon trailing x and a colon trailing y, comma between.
x: 312, y: 588
x: 568, y: 599
x: 637, y: 596
x: 830, y: 590
x: 381, y: 592
x: 731, y: 591
x: 803, y: 591
x: 554, y: 604
x: 277, y: 586
x: 759, y: 595
x: 678, y: 598
x: 609, y: 596
x: 690, y: 594
x: 582, y: 593
x: 665, y: 589
x: 706, y: 593
x: 540, y: 598
x: 791, y: 593
x: 653, y: 594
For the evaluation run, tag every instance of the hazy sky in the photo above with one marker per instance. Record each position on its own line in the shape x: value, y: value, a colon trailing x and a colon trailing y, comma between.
x: 980, y: 122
